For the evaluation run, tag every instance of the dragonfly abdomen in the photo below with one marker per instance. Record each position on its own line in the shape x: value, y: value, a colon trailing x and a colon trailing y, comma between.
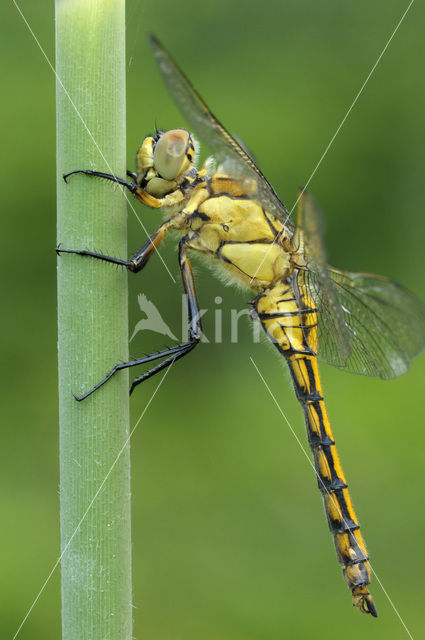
x: 290, y: 321
x: 342, y: 520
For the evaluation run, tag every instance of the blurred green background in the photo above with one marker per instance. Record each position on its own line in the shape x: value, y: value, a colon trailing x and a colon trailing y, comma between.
x: 229, y: 536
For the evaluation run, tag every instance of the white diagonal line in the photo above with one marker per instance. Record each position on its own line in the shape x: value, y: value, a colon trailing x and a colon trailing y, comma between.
x: 83, y: 517
x: 337, y: 131
x: 391, y: 602
x: 74, y: 106
x: 326, y: 490
x: 351, y: 107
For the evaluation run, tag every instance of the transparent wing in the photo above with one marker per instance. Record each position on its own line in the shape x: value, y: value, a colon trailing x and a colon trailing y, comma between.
x: 311, y: 225
x: 228, y: 152
x: 367, y: 324
x: 384, y: 321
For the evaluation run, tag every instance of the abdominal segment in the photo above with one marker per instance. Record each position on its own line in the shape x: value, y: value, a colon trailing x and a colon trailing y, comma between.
x: 290, y: 320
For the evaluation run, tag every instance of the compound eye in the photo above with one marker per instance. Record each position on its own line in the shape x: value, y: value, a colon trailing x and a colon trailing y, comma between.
x: 170, y: 153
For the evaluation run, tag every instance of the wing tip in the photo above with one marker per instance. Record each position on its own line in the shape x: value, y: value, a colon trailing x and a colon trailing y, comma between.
x: 153, y: 40
x: 156, y: 46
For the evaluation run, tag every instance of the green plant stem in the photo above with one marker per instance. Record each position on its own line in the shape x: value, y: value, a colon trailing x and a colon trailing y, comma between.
x: 92, y: 318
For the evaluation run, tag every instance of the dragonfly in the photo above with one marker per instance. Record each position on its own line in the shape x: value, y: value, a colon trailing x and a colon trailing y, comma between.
x: 228, y: 211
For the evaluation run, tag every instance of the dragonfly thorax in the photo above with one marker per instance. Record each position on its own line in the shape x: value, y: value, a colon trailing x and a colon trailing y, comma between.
x: 164, y: 161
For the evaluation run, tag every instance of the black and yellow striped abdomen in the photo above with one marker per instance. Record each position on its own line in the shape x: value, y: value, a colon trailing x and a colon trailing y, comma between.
x: 290, y: 321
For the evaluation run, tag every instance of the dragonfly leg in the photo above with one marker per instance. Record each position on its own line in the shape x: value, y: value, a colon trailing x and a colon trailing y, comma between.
x: 195, y: 325
x: 94, y: 254
x: 169, y: 200
x: 131, y: 186
x: 174, y: 353
x: 137, y: 261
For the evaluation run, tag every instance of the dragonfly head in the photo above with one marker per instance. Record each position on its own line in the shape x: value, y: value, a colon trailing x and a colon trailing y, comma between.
x: 163, y: 161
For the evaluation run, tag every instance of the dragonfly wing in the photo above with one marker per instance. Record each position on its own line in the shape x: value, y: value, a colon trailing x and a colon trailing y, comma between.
x: 317, y: 279
x: 368, y: 324
x: 385, y: 323
x: 228, y: 152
